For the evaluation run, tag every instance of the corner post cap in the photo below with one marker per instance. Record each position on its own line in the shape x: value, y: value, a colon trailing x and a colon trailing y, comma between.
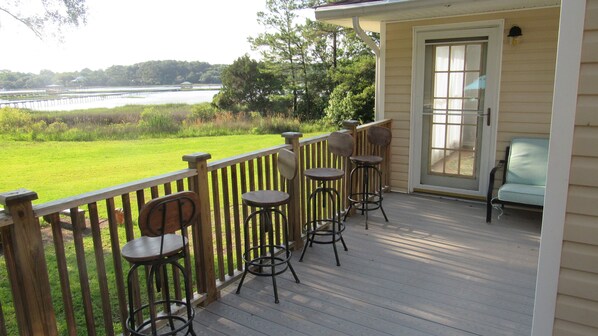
x: 17, y: 196
x: 197, y: 157
x: 350, y: 124
x: 292, y: 135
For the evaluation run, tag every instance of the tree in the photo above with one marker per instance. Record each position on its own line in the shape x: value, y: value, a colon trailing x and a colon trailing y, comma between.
x: 247, y: 85
x: 46, y: 17
x: 279, y: 44
x: 353, y: 97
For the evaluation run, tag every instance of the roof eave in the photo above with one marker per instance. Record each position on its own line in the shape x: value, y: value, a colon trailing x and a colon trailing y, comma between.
x: 372, y: 14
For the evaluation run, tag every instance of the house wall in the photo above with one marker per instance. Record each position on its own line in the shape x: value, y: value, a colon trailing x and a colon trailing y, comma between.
x: 526, y: 86
x: 577, y: 299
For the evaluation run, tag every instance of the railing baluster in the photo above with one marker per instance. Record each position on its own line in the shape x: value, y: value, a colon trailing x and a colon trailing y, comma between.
x: 227, y: 222
x: 67, y: 296
x: 101, y: 267
x: 236, y: 217
x: 117, y: 259
x: 129, y: 234
x: 217, y: 224
x: 83, y: 277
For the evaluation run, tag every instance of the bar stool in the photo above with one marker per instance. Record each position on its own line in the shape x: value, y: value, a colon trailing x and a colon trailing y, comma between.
x: 368, y: 199
x: 163, y: 224
x: 266, y: 257
x: 328, y: 230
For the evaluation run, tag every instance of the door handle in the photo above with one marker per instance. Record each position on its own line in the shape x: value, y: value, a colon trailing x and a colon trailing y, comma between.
x: 489, y: 115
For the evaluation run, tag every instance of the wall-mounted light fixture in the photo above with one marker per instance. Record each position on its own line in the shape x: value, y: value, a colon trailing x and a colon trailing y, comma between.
x: 515, y: 35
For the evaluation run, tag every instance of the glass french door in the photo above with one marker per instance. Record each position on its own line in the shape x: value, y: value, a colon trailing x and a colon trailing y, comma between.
x: 454, y: 112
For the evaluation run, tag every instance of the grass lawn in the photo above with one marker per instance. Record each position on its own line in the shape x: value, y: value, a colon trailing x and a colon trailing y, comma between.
x: 60, y: 169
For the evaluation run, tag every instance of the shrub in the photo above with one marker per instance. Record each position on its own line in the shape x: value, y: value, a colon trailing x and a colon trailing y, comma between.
x: 14, y: 120
x: 203, y: 112
x: 155, y: 121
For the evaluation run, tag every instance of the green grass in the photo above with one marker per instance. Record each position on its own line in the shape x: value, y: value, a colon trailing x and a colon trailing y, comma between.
x: 59, y: 169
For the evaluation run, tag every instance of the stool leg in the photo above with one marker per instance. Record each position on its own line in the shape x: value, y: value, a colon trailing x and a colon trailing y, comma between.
x: 285, y: 234
x: 131, y: 321
x: 152, y: 299
x: 246, y: 254
x: 166, y: 295
x: 350, y: 195
x: 311, y: 213
x: 335, y: 203
x: 366, y: 190
x: 267, y: 223
x: 380, y: 193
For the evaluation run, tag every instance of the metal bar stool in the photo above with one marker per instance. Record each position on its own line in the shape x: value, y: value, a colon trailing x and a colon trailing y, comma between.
x: 328, y: 230
x: 265, y: 257
x: 163, y: 224
x: 369, y: 198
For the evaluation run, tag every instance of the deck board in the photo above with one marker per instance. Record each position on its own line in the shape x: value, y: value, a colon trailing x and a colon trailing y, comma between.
x: 436, y: 268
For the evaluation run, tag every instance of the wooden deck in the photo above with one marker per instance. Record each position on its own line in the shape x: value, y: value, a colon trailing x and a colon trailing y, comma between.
x: 435, y: 269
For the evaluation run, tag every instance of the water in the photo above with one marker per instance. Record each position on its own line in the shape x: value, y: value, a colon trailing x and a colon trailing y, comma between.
x: 123, y: 96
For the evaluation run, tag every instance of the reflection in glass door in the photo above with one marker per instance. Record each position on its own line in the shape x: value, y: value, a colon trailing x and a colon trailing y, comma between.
x: 453, y: 114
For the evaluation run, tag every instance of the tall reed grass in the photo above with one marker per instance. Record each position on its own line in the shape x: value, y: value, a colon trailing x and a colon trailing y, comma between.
x: 143, y: 121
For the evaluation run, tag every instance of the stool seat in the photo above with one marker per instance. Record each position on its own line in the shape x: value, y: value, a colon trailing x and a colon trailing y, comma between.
x: 265, y: 198
x: 324, y: 174
x: 147, y: 249
x: 366, y: 159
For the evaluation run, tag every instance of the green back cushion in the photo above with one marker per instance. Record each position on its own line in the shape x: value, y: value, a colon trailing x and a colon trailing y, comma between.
x: 528, y: 161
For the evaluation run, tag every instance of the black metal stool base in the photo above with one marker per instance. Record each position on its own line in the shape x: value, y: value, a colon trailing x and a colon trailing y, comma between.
x: 332, y: 236
x: 165, y: 323
x: 271, y: 259
x: 366, y: 200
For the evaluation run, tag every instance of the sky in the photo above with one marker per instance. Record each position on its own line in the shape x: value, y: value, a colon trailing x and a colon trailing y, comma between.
x: 125, y: 32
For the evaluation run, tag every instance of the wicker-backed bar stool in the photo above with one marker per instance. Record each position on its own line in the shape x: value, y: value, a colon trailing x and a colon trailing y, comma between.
x: 163, y: 224
x: 369, y: 197
x: 268, y: 256
x: 328, y: 230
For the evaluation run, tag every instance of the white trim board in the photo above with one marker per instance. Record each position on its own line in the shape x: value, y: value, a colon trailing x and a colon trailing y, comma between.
x: 559, y: 163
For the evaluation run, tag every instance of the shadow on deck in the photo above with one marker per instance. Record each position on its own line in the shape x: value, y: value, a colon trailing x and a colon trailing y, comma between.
x: 436, y: 268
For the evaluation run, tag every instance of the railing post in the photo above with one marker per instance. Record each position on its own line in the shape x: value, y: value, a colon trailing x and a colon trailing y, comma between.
x: 294, y: 190
x: 351, y: 125
x: 202, y: 235
x: 26, y: 264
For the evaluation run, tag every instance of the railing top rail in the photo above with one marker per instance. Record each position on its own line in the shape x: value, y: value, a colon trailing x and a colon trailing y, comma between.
x: 374, y: 123
x: 233, y: 160
x: 102, y: 194
x: 317, y: 138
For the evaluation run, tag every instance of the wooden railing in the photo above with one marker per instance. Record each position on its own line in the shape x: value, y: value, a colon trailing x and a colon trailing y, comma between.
x: 89, y: 292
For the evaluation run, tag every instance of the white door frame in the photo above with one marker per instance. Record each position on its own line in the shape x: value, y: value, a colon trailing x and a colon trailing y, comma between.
x: 494, y: 30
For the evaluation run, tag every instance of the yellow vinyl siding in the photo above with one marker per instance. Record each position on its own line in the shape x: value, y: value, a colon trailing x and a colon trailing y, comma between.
x: 577, y: 299
x: 526, y: 86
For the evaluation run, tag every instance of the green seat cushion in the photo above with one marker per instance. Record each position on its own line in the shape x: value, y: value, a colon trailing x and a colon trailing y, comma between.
x: 522, y: 193
x: 528, y: 160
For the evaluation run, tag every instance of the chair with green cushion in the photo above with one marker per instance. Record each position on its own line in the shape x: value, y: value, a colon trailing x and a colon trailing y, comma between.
x: 524, y: 176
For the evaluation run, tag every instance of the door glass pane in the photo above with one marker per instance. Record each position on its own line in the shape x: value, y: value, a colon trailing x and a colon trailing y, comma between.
x: 437, y: 161
x: 467, y: 163
x: 473, y: 56
x: 442, y: 59
x: 474, y: 84
x: 456, y: 84
x: 438, y: 135
x: 441, y: 84
x: 451, y: 162
x: 457, y: 58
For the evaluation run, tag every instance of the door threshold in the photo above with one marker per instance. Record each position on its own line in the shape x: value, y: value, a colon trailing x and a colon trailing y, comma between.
x: 450, y: 194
